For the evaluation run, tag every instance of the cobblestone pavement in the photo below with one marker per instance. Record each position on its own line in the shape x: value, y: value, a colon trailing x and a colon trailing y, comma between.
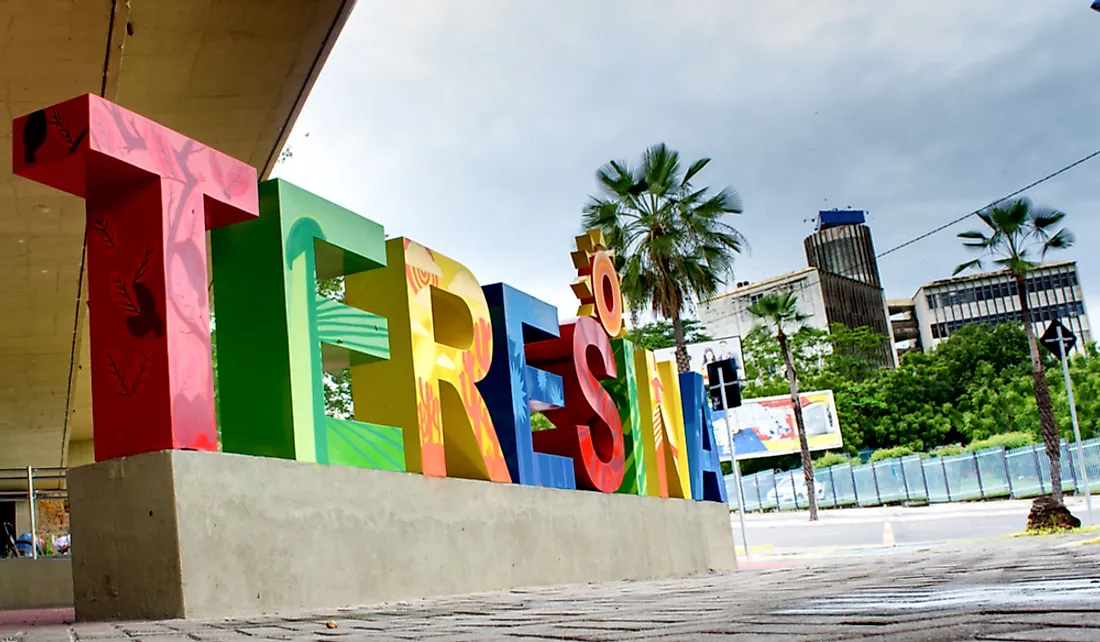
x: 1008, y: 589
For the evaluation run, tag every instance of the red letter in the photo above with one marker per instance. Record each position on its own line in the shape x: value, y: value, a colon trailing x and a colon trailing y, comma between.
x: 151, y: 194
x: 588, y: 428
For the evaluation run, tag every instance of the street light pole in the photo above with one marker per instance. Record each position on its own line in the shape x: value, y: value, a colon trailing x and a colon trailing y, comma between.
x: 1073, y: 415
x: 733, y: 460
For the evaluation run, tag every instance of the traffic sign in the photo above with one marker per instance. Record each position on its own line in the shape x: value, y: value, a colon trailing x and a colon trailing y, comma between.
x: 723, y: 372
x: 1050, y: 338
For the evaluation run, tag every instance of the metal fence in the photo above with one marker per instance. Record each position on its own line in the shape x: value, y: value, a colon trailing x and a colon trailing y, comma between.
x: 985, y: 474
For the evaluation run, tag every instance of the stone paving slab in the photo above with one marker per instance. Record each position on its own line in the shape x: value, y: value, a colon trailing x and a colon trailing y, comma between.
x: 1023, y: 589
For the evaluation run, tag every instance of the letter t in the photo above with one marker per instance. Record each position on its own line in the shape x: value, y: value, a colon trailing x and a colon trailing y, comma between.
x: 150, y: 194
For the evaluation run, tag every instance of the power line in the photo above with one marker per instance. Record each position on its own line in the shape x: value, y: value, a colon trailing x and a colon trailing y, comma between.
x: 1000, y: 200
x: 864, y: 264
x: 802, y: 286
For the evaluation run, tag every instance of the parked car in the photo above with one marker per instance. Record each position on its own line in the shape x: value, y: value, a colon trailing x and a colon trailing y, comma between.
x: 787, y: 492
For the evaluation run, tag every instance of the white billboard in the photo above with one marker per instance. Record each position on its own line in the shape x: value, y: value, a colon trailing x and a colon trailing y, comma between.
x: 704, y: 352
x: 765, y: 427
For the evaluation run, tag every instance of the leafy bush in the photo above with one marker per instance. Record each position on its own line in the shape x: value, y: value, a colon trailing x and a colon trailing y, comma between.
x: 890, y: 453
x: 1009, y: 440
x: 540, y: 422
x: 830, y: 459
x: 946, y: 451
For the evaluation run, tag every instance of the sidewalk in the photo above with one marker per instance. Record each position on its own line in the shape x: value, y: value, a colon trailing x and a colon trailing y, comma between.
x: 1035, y: 588
x: 901, y: 513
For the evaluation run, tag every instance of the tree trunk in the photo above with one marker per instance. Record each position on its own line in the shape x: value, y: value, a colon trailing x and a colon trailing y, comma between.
x: 683, y: 363
x: 803, y: 442
x: 1047, y: 425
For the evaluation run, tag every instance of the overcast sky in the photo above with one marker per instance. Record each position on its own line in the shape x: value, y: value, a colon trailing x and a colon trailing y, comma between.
x: 475, y: 126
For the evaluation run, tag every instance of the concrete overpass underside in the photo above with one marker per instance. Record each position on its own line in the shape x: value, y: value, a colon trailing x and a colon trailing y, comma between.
x: 231, y: 73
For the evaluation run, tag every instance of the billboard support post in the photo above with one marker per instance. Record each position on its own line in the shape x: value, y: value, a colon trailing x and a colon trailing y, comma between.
x: 733, y: 462
x: 874, y: 476
x: 794, y: 491
x: 855, y: 488
x: 924, y: 480
x: 947, y: 482
x: 904, y: 479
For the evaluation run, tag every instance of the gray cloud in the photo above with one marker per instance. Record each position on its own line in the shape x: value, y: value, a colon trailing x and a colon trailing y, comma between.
x: 475, y: 126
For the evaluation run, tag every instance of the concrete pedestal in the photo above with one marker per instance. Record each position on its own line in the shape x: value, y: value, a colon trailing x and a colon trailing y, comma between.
x: 44, y: 583
x: 203, y: 535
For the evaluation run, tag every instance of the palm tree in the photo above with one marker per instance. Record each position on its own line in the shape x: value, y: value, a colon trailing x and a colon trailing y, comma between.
x: 781, y: 310
x: 671, y: 239
x: 1018, y: 232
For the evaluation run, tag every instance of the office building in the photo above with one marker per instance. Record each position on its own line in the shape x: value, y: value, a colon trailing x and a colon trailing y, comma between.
x: 842, y: 245
x: 1054, y: 292
x: 842, y: 250
x: 905, y: 325
x: 727, y: 314
x: 842, y: 285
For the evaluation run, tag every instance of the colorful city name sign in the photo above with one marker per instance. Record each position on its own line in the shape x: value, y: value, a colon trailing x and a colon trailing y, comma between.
x: 445, y: 372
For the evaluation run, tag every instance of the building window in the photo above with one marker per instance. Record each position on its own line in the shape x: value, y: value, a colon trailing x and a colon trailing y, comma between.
x: 931, y: 299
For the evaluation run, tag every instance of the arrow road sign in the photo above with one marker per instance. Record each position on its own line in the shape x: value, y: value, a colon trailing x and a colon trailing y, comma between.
x: 1050, y: 338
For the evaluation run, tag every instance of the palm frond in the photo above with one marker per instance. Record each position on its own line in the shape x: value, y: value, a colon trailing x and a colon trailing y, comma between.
x: 672, y: 241
x: 1047, y: 218
x: 1061, y: 240
x: 975, y: 264
x: 615, y: 178
x: 695, y: 168
x: 1017, y: 265
x: 986, y: 216
x: 1020, y: 232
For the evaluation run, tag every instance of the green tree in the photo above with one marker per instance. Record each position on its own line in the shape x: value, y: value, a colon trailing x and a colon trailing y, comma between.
x: 660, y: 334
x: 968, y: 388
x: 671, y: 239
x: 764, y: 360
x: 781, y: 310
x: 1084, y: 371
x: 540, y: 422
x: 1019, y: 236
x: 852, y: 353
x: 337, y: 384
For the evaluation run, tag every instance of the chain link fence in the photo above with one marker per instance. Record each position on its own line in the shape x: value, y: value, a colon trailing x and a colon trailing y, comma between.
x: 985, y: 474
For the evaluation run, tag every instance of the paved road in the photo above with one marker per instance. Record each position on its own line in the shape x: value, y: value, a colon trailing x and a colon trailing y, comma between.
x: 1034, y: 588
x: 792, y: 532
